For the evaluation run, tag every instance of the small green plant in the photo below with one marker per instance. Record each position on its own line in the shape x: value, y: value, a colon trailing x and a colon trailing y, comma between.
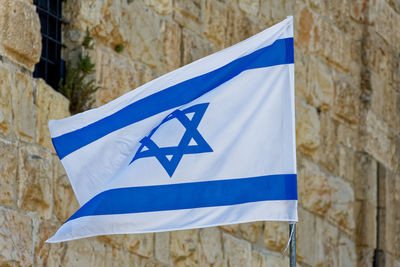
x: 78, y: 86
x: 119, y: 48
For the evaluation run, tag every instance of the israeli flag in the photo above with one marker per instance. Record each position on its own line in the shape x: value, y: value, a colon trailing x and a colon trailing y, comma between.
x: 211, y: 143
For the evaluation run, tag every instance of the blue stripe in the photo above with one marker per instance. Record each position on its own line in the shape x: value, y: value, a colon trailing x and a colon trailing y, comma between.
x: 190, y: 195
x: 280, y: 52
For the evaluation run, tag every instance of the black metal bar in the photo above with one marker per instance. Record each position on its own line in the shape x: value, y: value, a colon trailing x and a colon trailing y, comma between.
x: 51, y: 14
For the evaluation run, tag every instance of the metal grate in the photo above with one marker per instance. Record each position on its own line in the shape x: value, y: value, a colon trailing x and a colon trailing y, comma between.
x: 51, y: 66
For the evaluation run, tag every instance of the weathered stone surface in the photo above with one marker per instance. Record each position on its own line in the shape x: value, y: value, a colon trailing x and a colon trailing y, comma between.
x: 49, y: 105
x: 163, y: 7
x: 320, y: 85
x: 118, y: 257
x: 15, y: 238
x: 188, y: 13
x: 239, y: 26
x: 172, y: 46
x: 305, y: 22
x: 20, y: 32
x: 140, y: 244
x: 250, y: 231
x: 47, y: 254
x: 215, y: 22
x: 231, y: 228
x: 183, y: 243
x: 275, y: 235
x: 161, y: 247
x: 64, y: 200
x: 327, y: 196
x: 23, y: 109
x: 379, y: 142
x: 307, y: 127
x: 84, y: 252
x: 210, y: 240
x: 35, y: 170
x: 8, y: 173
x: 145, y: 42
x: 6, y: 86
x: 345, y: 100
x: 347, y: 252
x: 237, y: 252
x: 194, y: 47
x: 250, y: 7
x: 365, y: 213
x: 272, y: 11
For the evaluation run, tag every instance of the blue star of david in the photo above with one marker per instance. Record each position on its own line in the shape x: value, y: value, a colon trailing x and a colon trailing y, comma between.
x: 161, y: 153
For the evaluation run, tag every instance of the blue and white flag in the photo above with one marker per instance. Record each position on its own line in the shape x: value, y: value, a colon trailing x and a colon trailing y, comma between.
x: 208, y: 144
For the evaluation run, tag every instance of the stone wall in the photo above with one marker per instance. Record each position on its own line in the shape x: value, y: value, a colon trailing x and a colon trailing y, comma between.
x: 347, y: 55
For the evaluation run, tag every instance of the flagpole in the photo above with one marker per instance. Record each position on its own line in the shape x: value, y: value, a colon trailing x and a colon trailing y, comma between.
x: 292, y: 246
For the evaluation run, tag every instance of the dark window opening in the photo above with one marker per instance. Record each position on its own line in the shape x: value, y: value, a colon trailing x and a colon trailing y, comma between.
x: 51, y: 66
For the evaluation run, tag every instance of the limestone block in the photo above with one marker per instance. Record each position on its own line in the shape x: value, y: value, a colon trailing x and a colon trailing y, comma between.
x: 250, y: 231
x: 20, y: 32
x: 237, y: 252
x: 307, y: 127
x: 276, y: 259
x: 385, y: 101
x: 84, y: 252
x: 326, y: 195
x: 365, y: 178
x: 307, y: 247
x: 238, y: 26
x: 327, y: 153
x: 365, y: 214
x: 65, y: 203
x: 389, y: 212
x: 161, y: 247
x: 341, y: 211
x: 49, y: 105
x: 183, y: 243
x: 365, y: 256
x: 194, y: 47
x: 215, y: 22
x: 346, y: 164
x: 163, y: 7
x: 275, y: 235
x: 140, y: 244
x: 145, y: 40
x: 305, y: 22
x: 346, y: 100
x: 320, y: 84
x: 172, y: 46
x: 188, y: 13
x: 379, y: 141
x: 23, y: 108
x: 35, y: 169
x: 272, y: 11
x: 8, y: 173
x: 114, y: 241
x: 250, y: 7
x: 15, y: 238
x: 327, y: 247
x: 332, y: 44
x: 386, y: 22
x: 6, y: 86
x: 231, y: 228
x: 210, y: 240
x: 47, y: 254
x: 114, y: 75
x: 119, y: 257
x: 258, y: 259
x: 347, y: 252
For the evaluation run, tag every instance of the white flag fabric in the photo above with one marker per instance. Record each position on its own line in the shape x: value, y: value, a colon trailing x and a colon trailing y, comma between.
x: 208, y: 144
